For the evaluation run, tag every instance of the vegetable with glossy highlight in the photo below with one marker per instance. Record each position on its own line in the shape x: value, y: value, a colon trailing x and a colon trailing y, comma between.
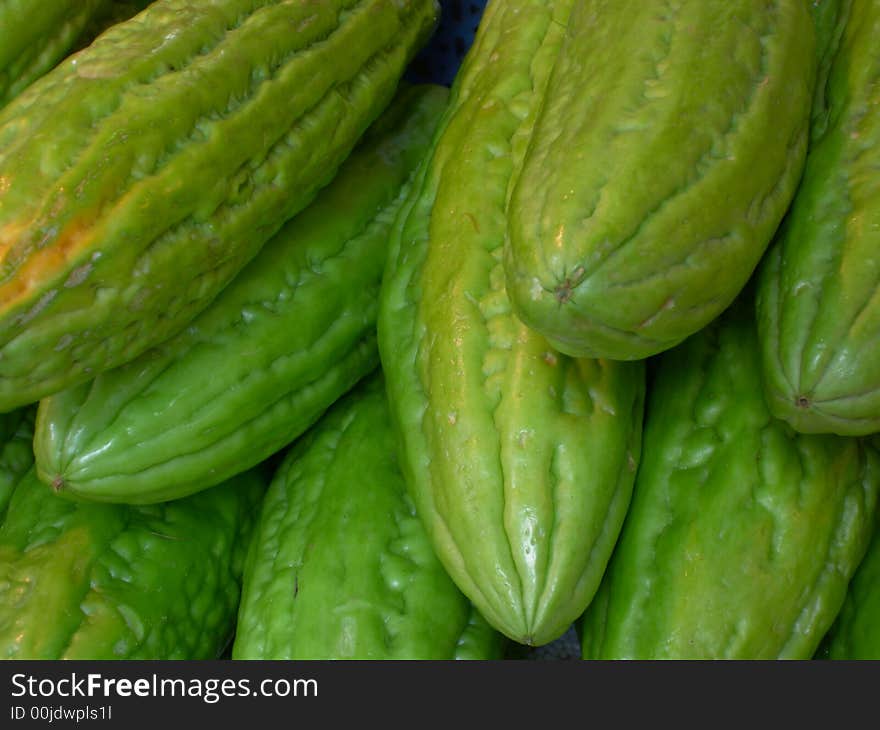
x: 341, y: 566
x: 742, y: 534
x: 293, y: 331
x: 818, y: 305
x: 668, y: 147
x: 520, y: 461
x: 96, y: 581
x: 138, y: 177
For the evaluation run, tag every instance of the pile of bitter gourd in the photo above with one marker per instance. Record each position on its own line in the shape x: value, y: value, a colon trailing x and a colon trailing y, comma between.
x: 299, y: 359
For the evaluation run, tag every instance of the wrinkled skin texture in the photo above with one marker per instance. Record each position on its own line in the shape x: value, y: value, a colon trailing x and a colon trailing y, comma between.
x: 668, y: 147
x: 856, y: 631
x: 341, y: 566
x: 294, y: 331
x: 35, y: 35
x: 742, y: 534
x: 89, y: 581
x: 140, y: 175
x: 520, y: 461
x: 818, y: 309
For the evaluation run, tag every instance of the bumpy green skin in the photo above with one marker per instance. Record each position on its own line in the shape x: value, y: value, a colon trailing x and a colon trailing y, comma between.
x: 520, y: 461
x: 36, y: 34
x: 294, y: 331
x: 818, y: 313
x: 855, y: 633
x: 668, y: 148
x: 742, y: 535
x: 117, y: 582
x: 341, y: 566
x: 141, y: 174
x: 16, y: 450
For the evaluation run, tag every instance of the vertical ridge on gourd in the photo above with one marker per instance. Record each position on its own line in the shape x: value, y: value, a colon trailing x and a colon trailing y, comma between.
x: 817, y: 303
x: 669, y: 146
x: 35, y: 35
x: 742, y: 534
x: 139, y: 176
x: 341, y: 566
x: 90, y: 581
x: 520, y: 461
x: 855, y: 634
x: 294, y: 330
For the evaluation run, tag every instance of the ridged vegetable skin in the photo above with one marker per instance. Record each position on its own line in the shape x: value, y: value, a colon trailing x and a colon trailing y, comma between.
x: 139, y: 176
x: 855, y: 634
x: 742, y: 535
x: 667, y: 149
x: 35, y: 35
x: 293, y: 332
x: 96, y: 582
x: 818, y: 310
x: 341, y: 566
x: 520, y: 461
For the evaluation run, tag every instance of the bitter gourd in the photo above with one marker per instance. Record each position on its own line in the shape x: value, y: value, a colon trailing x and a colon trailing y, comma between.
x: 830, y: 18
x: 341, y: 566
x: 855, y: 633
x: 669, y: 145
x: 742, y: 534
x: 818, y: 309
x: 35, y: 35
x: 141, y: 174
x: 293, y: 331
x: 520, y: 461
x: 98, y: 581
